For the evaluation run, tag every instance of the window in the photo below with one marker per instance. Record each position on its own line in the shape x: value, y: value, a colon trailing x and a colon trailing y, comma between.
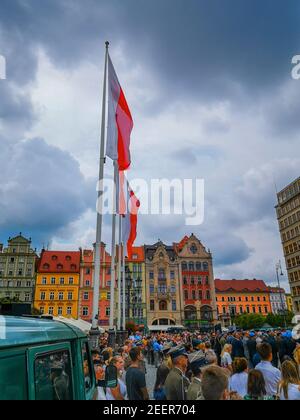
x: 88, y: 271
x: 184, y: 266
x: 71, y: 280
x: 185, y: 281
x: 43, y: 295
x: 12, y: 260
x: 69, y: 310
x: 108, y: 296
x: 51, y: 310
x: 87, y: 368
x: 61, y: 296
x: 70, y: 295
x: 27, y: 297
x: 199, y: 281
x: 194, y: 294
x: 151, y: 288
x: 87, y: 283
x: 42, y: 310
x: 161, y: 274
x: 107, y: 311
x: 174, y: 306
x: 207, y: 281
x: 192, y: 281
x: 19, y: 284
x: 241, y: 310
x: 191, y: 266
x: 51, y: 296
x: 163, y: 306
x: 208, y: 295
x: 86, y: 296
x: 28, y: 284
x: 59, y: 311
x: 17, y: 296
x: 55, y: 370
x: 186, y: 294
x: 200, y: 295
x: 172, y: 275
x: 44, y: 280
x: 85, y: 311
x: 248, y: 310
x: 53, y: 280
x: 151, y: 275
x: 152, y: 305
x: 62, y: 281
x: 205, y: 266
x: 173, y: 289
x: 266, y: 309
x: 198, y: 266
x: 254, y: 309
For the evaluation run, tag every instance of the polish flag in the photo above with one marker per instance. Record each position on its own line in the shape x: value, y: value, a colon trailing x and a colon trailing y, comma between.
x: 130, y: 221
x: 120, y: 123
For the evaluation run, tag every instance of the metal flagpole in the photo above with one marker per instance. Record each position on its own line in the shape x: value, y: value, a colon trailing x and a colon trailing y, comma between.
x: 119, y: 273
x: 124, y: 289
x: 97, y: 251
x: 112, y: 336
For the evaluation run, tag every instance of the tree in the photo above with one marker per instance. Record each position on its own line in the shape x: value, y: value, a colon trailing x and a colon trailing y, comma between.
x: 249, y: 321
x: 278, y: 320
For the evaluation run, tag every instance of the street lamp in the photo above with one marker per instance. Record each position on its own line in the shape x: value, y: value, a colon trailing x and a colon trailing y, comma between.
x: 279, y: 268
x: 129, y: 287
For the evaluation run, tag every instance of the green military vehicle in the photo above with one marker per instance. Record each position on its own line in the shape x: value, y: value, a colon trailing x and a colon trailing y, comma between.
x: 41, y: 359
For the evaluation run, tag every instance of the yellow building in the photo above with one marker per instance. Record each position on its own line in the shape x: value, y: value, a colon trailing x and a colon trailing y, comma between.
x: 289, y: 302
x: 57, y: 284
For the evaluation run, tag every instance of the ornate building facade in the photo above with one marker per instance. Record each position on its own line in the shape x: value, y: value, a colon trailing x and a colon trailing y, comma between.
x: 164, y: 305
x: 196, y: 282
x: 17, y: 270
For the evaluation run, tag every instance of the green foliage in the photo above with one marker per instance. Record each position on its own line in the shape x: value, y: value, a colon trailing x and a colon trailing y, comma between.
x: 278, y: 320
x: 250, y: 321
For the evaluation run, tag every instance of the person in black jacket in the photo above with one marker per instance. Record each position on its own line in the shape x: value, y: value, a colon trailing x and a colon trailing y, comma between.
x: 237, y: 346
x: 251, y: 344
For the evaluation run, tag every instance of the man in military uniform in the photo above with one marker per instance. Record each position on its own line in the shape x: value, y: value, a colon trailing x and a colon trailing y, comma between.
x: 197, y: 362
x: 177, y: 384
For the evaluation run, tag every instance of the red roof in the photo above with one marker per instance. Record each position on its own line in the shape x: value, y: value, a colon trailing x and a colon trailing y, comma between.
x: 139, y: 252
x: 241, y: 285
x: 179, y: 246
x: 59, y: 262
x: 276, y: 290
x: 88, y: 256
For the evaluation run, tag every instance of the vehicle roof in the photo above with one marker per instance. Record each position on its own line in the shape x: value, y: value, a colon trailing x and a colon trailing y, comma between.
x: 20, y: 331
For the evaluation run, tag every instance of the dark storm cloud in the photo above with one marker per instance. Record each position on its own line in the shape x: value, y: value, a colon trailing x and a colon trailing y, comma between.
x: 41, y: 190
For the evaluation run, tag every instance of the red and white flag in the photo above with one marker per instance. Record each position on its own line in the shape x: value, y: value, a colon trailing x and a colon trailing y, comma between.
x: 129, y: 231
x: 120, y: 123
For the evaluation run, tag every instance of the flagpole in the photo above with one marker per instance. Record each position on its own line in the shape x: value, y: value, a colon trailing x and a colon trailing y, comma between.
x: 97, y: 252
x: 113, y: 257
x: 124, y: 289
x: 119, y: 273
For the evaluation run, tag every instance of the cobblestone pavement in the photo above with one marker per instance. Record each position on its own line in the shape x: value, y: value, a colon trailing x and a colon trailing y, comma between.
x: 150, y: 379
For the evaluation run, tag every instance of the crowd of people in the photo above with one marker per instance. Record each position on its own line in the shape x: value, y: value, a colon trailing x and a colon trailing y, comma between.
x: 245, y: 365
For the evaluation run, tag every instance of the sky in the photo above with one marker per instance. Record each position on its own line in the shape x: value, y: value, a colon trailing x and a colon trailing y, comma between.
x: 210, y: 89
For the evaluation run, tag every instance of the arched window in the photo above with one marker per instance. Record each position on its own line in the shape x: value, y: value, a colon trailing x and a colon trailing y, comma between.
x: 184, y: 266
x: 191, y: 266
x: 163, y: 306
x: 198, y: 266
x: 207, y: 294
x: 161, y: 274
x: 205, y: 266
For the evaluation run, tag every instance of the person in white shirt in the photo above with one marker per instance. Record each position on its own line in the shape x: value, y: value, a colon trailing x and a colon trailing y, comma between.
x: 289, y: 387
x: 272, y: 375
x: 239, y: 380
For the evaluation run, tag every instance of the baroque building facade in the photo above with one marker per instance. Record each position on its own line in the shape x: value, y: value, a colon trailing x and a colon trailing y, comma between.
x: 17, y: 270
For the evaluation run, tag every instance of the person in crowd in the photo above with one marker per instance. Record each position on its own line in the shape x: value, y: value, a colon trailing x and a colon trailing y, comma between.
x: 289, y: 386
x: 226, y: 360
x: 256, y: 357
x: 135, y: 378
x: 214, y: 384
x: 239, y: 380
x: 159, y: 393
x: 256, y: 387
x: 119, y: 392
x: 296, y: 357
x: 197, y: 362
x: 157, y: 349
x: 177, y: 384
x: 270, y: 338
x: 271, y: 374
x: 237, y: 346
x: 251, y: 346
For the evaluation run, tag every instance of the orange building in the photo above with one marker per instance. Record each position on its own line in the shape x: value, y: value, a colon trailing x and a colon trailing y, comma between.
x: 57, y: 283
x: 86, y: 292
x: 235, y: 297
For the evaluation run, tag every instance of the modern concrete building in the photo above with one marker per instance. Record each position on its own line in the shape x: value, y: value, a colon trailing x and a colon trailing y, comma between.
x: 17, y: 270
x: 288, y: 215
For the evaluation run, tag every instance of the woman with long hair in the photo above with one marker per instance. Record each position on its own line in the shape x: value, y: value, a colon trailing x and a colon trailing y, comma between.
x: 256, y: 387
x: 289, y: 387
x: 159, y: 388
x: 239, y: 380
x: 226, y: 360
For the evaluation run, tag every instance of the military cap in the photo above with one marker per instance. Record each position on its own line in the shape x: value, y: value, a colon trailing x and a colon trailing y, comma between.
x: 177, y: 351
x: 197, y: 359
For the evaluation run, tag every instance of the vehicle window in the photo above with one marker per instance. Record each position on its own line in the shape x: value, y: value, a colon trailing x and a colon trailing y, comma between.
x: 53, y: 379
x: 13, y: 378
x: 86, y: 367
